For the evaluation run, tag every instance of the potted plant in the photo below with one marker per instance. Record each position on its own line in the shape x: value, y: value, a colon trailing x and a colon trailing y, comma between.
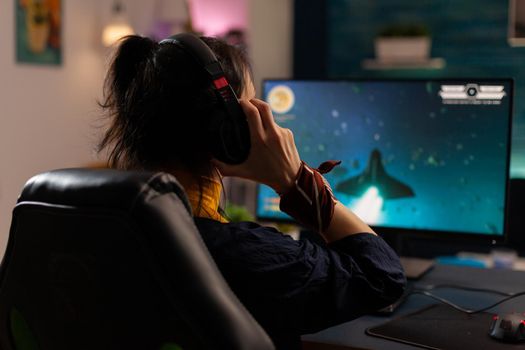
x: 237, y: 213
x: 403, y: 43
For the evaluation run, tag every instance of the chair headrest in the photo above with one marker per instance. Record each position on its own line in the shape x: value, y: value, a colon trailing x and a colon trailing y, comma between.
x: 108, y: 188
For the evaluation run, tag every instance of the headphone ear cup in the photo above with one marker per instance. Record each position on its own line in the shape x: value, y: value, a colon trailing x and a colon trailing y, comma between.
x: 229, y: 139
x: 240, y: 136
x: 228, y: 134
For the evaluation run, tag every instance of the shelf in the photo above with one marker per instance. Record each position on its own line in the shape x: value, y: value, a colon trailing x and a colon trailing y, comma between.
x: 433, y: 63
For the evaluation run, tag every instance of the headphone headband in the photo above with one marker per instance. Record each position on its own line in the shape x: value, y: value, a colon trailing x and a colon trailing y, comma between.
x: 196, y: 48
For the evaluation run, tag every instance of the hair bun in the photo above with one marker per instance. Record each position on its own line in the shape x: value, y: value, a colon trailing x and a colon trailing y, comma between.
x: 132, y: 58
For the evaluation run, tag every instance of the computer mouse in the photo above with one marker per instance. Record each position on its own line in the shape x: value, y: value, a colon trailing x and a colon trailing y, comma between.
x: 508, y: 327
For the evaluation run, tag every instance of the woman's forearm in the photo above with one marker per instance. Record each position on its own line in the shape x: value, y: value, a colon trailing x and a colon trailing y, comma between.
x: 344, y: 223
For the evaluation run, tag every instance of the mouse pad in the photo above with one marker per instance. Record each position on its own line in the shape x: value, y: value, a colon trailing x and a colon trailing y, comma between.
x: 442, y: 327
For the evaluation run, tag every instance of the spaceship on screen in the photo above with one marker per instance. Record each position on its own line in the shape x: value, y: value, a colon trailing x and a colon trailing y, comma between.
x: 375, y: 175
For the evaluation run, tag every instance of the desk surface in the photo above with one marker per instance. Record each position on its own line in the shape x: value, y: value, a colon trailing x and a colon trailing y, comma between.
x: 353, y: 333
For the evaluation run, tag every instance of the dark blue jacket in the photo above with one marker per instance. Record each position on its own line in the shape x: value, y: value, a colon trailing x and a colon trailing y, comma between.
x: 297, y: 287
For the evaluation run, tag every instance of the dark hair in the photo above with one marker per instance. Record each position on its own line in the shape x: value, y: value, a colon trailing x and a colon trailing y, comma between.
x: 160, y: 100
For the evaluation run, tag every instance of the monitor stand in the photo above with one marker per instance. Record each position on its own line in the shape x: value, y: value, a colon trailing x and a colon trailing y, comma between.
x: 416, y: 267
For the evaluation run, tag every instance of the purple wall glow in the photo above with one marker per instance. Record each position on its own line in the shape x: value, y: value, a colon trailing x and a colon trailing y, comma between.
x: 212, y: 17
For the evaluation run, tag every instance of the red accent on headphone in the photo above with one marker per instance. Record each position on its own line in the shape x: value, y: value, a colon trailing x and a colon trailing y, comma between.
x: 220, y: 83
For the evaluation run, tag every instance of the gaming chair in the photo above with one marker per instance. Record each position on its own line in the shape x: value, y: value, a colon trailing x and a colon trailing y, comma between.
x: 106, y: 259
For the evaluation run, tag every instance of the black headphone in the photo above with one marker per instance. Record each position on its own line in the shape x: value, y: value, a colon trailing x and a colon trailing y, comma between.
x: 228, y: 131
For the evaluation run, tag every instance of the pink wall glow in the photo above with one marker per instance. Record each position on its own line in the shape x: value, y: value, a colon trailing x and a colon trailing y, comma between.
x: 215, y: 17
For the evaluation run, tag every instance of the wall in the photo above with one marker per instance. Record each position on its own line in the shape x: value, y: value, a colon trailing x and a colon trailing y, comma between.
x: 270, y: 33
x: 47, y: 112
x: 268, y: 24
x: 214, y: 17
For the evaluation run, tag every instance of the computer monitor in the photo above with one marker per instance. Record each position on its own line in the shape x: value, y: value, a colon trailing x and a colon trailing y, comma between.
x: 426, y: 156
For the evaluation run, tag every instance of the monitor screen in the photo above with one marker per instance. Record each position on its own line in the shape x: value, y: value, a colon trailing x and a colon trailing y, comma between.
x: 426, y: 155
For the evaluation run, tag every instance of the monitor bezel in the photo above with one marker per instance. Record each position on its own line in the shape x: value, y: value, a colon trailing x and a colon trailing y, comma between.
x: 410, y: 232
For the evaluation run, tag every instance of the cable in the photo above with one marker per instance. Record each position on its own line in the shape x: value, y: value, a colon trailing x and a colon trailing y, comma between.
x: 459, y: 308
x: 471, y: 289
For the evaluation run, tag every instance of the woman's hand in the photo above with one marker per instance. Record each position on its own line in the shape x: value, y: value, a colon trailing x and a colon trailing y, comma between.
x: 273, y: 159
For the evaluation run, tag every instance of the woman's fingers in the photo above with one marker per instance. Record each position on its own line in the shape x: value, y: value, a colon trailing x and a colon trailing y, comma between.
x: 253, y: 118
x: 260, y: 119
x: 265, y: 112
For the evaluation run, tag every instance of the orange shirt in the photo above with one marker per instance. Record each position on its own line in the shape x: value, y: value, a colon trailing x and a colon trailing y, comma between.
x: 207, y: 205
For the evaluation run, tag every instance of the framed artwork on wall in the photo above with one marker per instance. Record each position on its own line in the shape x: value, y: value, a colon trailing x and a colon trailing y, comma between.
x: 38, y: 31
x: 517, y: 22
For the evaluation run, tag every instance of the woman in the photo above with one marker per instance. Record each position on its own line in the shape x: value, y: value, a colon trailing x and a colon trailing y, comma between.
x: 159, y: 101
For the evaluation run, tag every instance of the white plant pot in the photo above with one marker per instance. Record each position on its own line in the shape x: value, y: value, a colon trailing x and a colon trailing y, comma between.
x: 402, y: 49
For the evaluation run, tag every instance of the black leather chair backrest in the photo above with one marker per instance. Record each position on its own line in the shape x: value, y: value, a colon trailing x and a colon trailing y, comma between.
x: 105, y: 259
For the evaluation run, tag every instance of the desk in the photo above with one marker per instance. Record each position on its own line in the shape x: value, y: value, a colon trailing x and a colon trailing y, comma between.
x: 353, y: 333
